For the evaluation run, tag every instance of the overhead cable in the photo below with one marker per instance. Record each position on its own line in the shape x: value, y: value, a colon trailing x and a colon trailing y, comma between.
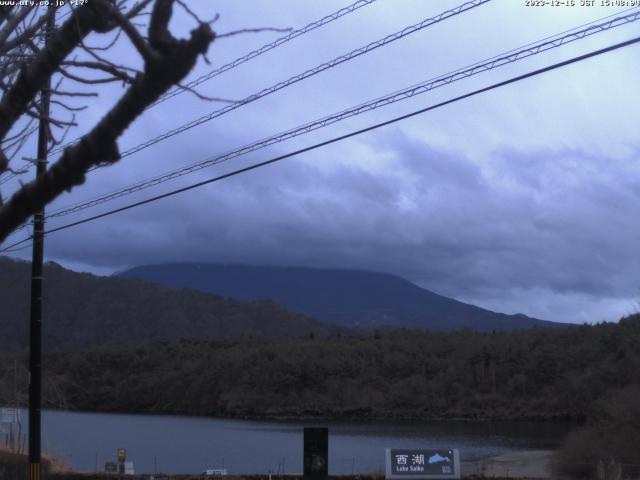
x: 309, y: 73
x: 240, y: 60
x: 420, y: 88
x: 265, y: 48
x: 352, y: 134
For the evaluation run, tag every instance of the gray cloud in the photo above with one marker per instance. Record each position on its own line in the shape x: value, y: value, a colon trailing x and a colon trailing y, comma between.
x: 555, y: 221
x: 522, y: 200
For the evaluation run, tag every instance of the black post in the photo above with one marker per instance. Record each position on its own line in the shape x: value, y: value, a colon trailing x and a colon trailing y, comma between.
x: 35, y: 343
x: 316, y: 453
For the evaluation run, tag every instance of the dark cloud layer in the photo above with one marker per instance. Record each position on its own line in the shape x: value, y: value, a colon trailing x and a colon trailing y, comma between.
x: 557, y: 221
x: 520, y: 200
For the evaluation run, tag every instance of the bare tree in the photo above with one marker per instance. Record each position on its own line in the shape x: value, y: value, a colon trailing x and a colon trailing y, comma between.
x: 27, y: 62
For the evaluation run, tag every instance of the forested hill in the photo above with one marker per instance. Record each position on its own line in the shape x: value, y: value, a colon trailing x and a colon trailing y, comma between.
x: 350, y: 298
x: 83, y: 310
x: 536, y: 374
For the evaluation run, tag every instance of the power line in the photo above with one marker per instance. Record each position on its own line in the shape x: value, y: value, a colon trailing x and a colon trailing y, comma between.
x: 340, y: 138
x: 492, y: 62
x: 465, y: 72
x: 308, y: 73
x: 11, y: 248
x: 251, y: 55
x: 235, y: 63
x: 19, y: 249
x: 265, y: 48
x: 354, y: 133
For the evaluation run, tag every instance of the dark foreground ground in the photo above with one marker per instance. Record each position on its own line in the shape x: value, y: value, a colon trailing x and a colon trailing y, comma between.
x: 521, y: 465
x: 81, y: 476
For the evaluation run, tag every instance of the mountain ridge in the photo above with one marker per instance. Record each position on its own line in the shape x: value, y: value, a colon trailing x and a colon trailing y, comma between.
x: 346, y: 297
x: 82, y: 310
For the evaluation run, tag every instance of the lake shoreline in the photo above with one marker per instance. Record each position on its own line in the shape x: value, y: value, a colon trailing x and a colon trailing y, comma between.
x: 346, y: 418
x: 518, y: 464
x: 85, y: 441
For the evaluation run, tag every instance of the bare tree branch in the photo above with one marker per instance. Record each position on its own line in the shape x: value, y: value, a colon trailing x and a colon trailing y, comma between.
x: 115, y: 70
x: 28, y: 33
x: 204, y: 97
x: 68, y: 107
x: 171, y: 62
x: 160, y: 38
x: 5, y: 11
x: 105, y: 47
x: 31, y: 79
x: 4, y: 162
x: 12, y: 23
x: 123, y: 22
x: 18, y: 144
x: 94, y: 81
x: 252, y: 30
x: 73, y: 94
x: 137, y: 8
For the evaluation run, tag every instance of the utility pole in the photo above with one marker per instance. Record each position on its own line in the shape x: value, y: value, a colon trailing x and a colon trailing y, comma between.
x: 35, y: 341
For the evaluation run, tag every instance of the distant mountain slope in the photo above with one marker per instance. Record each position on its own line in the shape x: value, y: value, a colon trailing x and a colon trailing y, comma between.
x: 345, y: 297
x: 83, y: 310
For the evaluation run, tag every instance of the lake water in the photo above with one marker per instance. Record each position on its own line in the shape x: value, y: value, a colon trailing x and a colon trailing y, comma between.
x: 178, y: 444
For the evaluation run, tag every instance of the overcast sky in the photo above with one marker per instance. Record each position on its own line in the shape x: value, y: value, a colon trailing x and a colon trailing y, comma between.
x: 523, y: 199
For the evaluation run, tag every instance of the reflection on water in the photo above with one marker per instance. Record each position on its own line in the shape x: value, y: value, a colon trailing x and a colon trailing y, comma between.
x: 175, y: 444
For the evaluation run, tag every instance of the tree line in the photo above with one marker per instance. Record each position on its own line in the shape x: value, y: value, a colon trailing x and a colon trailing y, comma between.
x: 539, y: 373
